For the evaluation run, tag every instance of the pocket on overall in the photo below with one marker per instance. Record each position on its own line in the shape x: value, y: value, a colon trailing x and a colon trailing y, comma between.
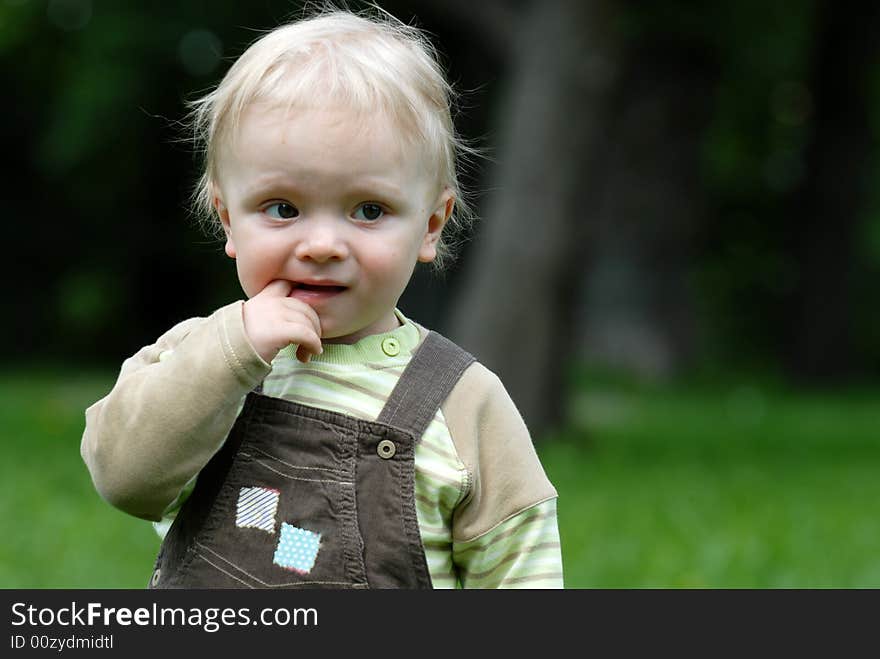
x: 285, y: 520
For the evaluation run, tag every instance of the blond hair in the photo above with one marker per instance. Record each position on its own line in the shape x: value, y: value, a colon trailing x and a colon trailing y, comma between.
x: 369, y: 63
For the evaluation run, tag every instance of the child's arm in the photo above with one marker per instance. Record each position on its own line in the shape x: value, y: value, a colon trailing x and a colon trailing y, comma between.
x: 520, y: 552
x: 169, y: 411
x: 505, y: 532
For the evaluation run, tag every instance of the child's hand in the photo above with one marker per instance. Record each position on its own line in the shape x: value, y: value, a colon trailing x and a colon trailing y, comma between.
x: 272, y: 321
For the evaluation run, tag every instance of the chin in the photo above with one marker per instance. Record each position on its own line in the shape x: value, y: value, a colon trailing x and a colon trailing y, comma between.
x: 335, y: 334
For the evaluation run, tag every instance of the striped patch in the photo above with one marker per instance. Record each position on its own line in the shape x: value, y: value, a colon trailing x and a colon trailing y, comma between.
x: 297, y: 549
x: 256, y: 508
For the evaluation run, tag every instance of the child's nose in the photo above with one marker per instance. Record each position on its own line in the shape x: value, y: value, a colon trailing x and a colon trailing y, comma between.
x: 321, y: 240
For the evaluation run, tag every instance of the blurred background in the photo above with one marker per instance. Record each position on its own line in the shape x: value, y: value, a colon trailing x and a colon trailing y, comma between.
x: 675, y: 270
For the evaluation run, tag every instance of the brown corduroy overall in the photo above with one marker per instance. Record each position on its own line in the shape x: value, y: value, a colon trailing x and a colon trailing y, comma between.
x: 300, y: 497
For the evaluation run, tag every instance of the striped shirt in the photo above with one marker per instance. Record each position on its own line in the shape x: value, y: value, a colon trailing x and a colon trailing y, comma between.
x: 522, y: 551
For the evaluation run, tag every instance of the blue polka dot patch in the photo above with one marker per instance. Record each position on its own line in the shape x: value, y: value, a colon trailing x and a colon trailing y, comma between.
x: 297, y: 549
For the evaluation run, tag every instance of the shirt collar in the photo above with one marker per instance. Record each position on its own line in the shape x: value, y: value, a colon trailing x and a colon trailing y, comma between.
x: 396, y: 344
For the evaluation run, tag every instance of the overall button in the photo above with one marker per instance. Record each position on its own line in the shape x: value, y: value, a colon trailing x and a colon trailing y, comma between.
x: 391, y: 346
x: 386, y: 449
x: 154, y: 580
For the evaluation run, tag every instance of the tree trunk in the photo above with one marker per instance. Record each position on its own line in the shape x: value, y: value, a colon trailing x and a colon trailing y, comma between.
x: 517, y: 293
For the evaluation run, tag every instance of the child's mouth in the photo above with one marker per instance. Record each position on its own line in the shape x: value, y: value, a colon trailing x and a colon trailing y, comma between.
x: 320, y: 288
x: 316, y: 291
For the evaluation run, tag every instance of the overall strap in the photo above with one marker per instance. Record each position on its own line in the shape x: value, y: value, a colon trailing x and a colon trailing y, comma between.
x: 427, y: 380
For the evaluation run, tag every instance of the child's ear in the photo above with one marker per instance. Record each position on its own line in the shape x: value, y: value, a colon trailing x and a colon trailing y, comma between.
x: 442, y: 212
x: 223, y: 214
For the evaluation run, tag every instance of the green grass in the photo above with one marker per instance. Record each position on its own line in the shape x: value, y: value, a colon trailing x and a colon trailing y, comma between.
x: 58, y: 532
x: 723, y: 488
x: 690, y: 487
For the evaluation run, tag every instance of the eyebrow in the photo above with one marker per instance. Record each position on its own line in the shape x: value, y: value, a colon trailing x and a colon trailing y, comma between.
x: 264, y: 184
x: 373, y: 186
x: 365, y: 187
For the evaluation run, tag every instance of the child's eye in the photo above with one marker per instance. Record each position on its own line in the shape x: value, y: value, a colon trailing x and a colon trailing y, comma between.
x: 281, y: 211
x: 369, y: 212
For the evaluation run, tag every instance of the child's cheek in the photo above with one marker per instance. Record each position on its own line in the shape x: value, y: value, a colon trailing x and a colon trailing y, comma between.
x: 251, y: 275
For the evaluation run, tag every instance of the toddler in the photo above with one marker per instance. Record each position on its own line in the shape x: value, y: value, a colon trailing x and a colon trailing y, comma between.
x: 313, y: 435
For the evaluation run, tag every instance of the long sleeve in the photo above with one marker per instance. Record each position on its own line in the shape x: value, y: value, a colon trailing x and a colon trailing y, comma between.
x: 505, y: 531
x: 521, y: 552
x: 169, y: 411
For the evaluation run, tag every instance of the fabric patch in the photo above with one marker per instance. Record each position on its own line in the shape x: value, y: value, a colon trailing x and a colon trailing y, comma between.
x: 257, y: 507
x: 297, y: 548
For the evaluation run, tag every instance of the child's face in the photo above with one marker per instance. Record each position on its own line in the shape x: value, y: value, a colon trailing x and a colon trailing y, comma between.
x: 334, y: 204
